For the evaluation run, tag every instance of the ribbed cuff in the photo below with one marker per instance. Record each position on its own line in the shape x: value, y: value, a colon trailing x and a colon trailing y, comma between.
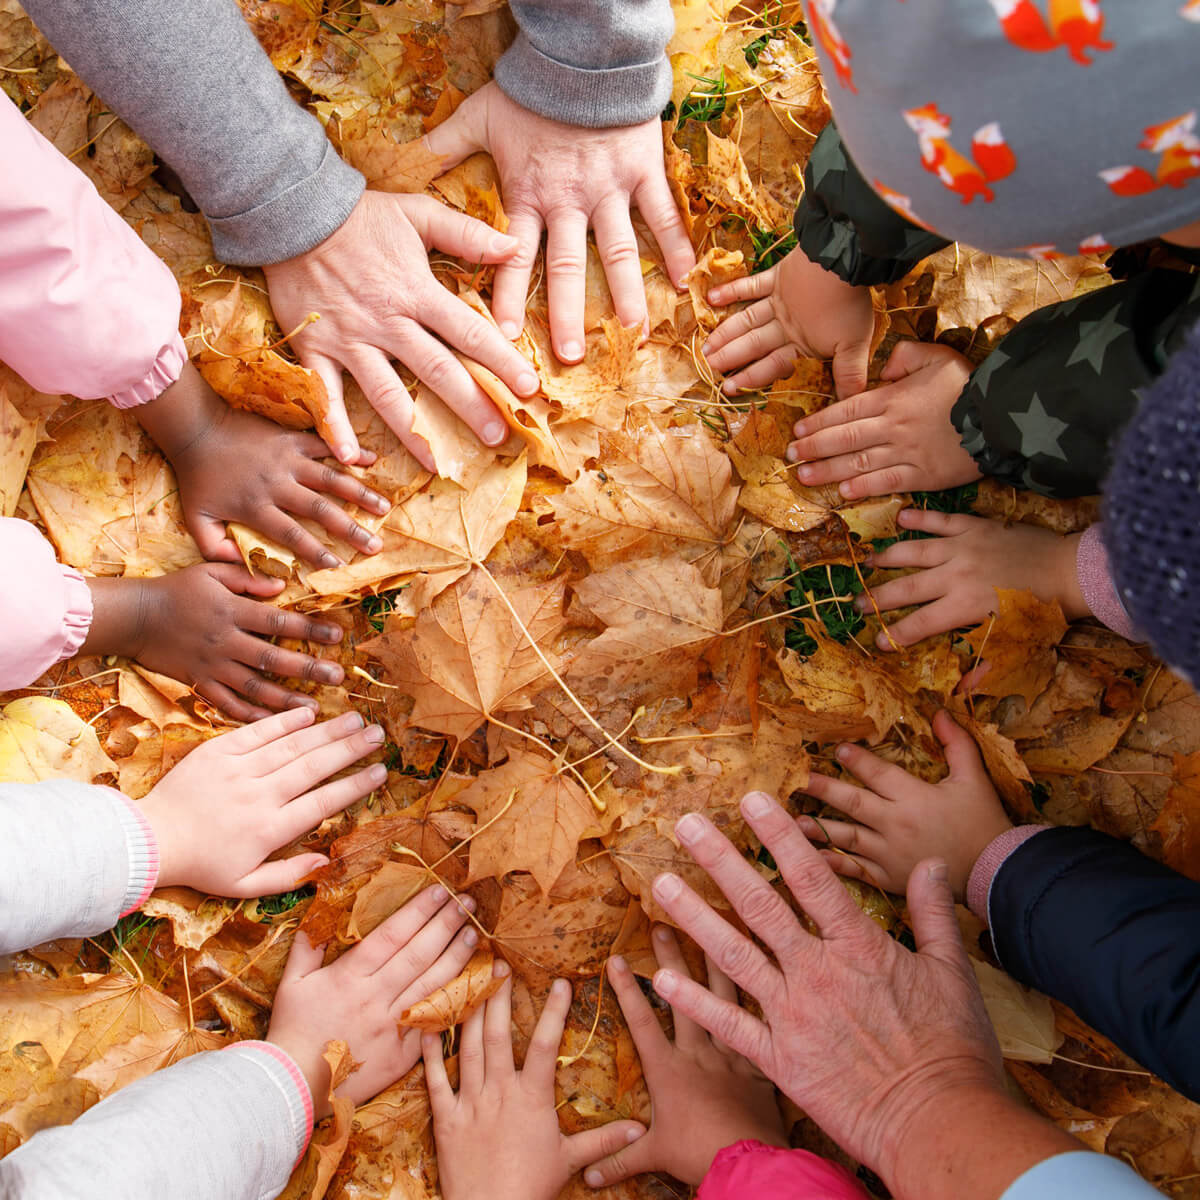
x: 595, y: 99
x: 142, y: 848
x: 165, y: 370
x: 979, y: 885
x: 1096, y: 583
x: 77, y: 611
x: 291, y: 1083
x: 293, y: 222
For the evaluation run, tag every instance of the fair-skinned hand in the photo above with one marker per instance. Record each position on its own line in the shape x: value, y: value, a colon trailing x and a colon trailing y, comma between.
x: 236, y: 466
x: 499, y: 1136
x: 894, y: 438
x: 704, y: 1096
x: 370, y: 281
x: 359, y: 997
x: 232, y: 802
x: 199, y: 626
x: 565, y: 179
x: 959, y: 570
x: 801, y: 310
x: 903, y: 820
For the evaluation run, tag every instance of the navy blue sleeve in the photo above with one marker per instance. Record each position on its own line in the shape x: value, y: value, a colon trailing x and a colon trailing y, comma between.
x: 1092, y: 922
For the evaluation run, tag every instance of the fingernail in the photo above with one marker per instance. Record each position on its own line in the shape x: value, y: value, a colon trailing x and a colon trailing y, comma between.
x: 510, y: 329
x: 756, y: 804
x: 729, y: 387
x: 330, y: 673
x: 905, y: 516
x: 494, y: 432
x: 377, y: 775
x: 329, y: 633
x: 345, y: 452
x: 329, y: 561
x: 501, y: 243
x: 690, y: 827
x: 593, y: 1179
x: 860, y: 602
x: 468, y: 903
x: 352, y: 721
x: 665, y: 984
x: 499, y: 969
x: 792, y: 454
x: 805, y: 473
x: 661, y: 934
x: 842, y: 753
x: 438, y: 894
x: 704, y: 348
x: 846, y: 490
x: 667, y: 887
x: 305, y: 701
x: 572, y: 351
x: 618, y: 964
x: 799, y: 430
x: 561, y: 986
x: 374, y: 545
x: 381, y: 504
x: 375, y: 734
x: 471, y: 938
x: 939, y: 872
x: 527, y: 383
x: 882, y: 642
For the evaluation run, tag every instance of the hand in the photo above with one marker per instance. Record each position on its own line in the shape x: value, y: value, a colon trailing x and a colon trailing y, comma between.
x: 563, y: 178
x: 196, y: 626
x: 904, y: 820
x: 232, y: 802
x: 499, y: 1137
x: 704, y: 1096
x: 801, y: 311
x: 359, y: 997
x: 958, y: 573
x: 237, y: 466
x: 894, y: 438
x: 370, y: 281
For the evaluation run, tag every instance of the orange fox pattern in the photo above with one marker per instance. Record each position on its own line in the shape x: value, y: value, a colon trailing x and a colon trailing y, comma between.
x: 1075, y: 24
x: 826, y: 33
x: 992, y: 157
x: 1178, y: 148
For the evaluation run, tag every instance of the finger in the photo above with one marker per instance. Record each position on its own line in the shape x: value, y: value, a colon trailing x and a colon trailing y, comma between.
x: 719, y: 983
x: 854, y: 801
x: 850, y: 867
x: 749, y: 287
x: 566, y: 281
x: 962, y: 755
x: 471, y: 1073
x: 303, y: 959
x: 497, y: 1028
x: 271, y: 732
x: 659, y: 210
x: 286, y: 664
x: 282, y: 528
x: 652, y: 1044
x: 853, y: 839
x: 274, y: 622
x: 849, y: 466
x: 459, y: 136
x: 884, y: 778
x: 441, y: 1094
x: 850, y: 363
x: 720, y: 347
x: 928, y: 552
x: 390, y: 399
x: 310, y: 769
x: 931, y: 908
x: 729, y: 1023
x: 844, y: 412
x: 541, y: 1058
x: 901, y: 477
x: 929, y: 520
x: 939, y: 617
x: 927, y: 584
x: 218, y: 695
x: 666, y: 950
x: 445, y: 969
x: 308, y: 811
x: 622, y: 261
x: 393, y: 934
x: 264, y: 693
x: 321, y: 480
x: 405, y: 971
x: 442, y: 227
x: 618, y: 1150
x: 845, y: 439
x: 212, y: 538
x: 342, y: 438
x: 905, y: 358
x: 238, y: 579
x: 272, y: 754
x: 282, y: 875
x: 777, y: 365
x: 511, y: 284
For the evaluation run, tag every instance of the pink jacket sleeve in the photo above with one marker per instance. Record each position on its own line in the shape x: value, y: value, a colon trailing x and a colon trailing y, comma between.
x: 86, y: 308
x: 45, y: 608
x: 770, y: 1173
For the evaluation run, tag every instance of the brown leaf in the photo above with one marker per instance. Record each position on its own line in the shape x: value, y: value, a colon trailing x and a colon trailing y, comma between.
x: 1178, y: 824
x: 1018, y: 644
x: 458, y: 999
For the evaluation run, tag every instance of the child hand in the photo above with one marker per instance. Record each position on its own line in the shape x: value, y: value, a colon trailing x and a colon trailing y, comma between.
x: 499, y: 1137
x: 196, y: 626
x: 894, y: 438
x: 802, y: 311
x: 705, y: 1096
x: 236, y: 466
x: 960, y: 570
x: 235, y: 800
x: 903, y: 820
x: 359, y: 997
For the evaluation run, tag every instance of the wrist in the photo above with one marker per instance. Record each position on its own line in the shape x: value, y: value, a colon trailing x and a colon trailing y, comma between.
x: 118, y: 617
x: 183, y: 414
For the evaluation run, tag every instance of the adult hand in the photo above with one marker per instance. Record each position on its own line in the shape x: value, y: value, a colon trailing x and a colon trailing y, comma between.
x: 370, y: 281
x: 563, y: 179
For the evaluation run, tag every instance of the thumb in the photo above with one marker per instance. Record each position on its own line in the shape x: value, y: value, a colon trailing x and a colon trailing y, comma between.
x: 906, y: 358
x: 282, y: 875
x: 616, y: 1151
x: 931, y: 906
x: 238, y: 579
x: 962, y: 755
x: 211, y: 538
x: 457, y: 137
x: 850, y: 369
x: 304, y: 958
x: 335, y: 428
x: 456, y: 233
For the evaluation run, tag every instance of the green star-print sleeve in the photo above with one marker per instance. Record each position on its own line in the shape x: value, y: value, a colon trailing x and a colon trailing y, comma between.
x: 1044, y: 408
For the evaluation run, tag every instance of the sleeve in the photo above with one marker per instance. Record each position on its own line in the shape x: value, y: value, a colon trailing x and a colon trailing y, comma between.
x: 85, y: 307
x: 1097, y: 584
x: 227, y: 1123
x: 213, y: 106
x: 74, y: 858
x: 596, y: 63
x: 750, y: 1168
x: 1080, y: 1173
x: 842, y: 224
x: 1087, y: 919
x: 45, y: 608
x: 1044, y: 409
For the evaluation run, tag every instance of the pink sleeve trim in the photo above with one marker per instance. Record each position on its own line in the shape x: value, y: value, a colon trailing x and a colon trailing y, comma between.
x: 77, y: 618
x: 304, y: 1110
x: 775, y: 1173
x: 979, y: 885
x: 142, y: 846
x: 1096, y: 583
x: 164, y: 371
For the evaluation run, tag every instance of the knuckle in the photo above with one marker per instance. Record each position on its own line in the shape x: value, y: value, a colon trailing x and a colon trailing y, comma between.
x: 861, y: 462
x: 253, y: 686
x: 438, y: 373
x: 473, y: 337
x: 268, y: 660
x: 330, y: 477
x: 292, y: 536
x: 565, y: 262
x: 619, y: 253
x: 736, y: 957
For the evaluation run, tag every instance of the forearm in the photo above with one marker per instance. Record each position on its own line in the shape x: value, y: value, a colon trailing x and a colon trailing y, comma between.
x: 596, y: 63
x: 212, y: 105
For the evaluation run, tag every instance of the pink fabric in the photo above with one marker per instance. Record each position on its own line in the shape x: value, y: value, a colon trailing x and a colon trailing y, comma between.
x: 1096, y: 583
x: 770, y: 1173
x: 302, y: 1094
x: 143, y: 856
x: 45, y: 608
x: 85, y: 307
x: 979, y: 885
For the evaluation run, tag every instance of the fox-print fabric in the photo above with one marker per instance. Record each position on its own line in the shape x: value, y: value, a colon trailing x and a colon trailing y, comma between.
x: 1040, y: 127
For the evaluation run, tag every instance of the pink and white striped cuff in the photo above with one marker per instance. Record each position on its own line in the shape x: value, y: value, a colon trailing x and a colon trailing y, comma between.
x: 979, y: 884
x: 1096, y: 583
x: 291, y: 1082
x: 142, y: 847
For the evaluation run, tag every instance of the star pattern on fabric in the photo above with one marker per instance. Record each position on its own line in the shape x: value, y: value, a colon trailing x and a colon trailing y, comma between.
x: 1095, y: 337
x: 1040, y: 432
x: 990, y: 365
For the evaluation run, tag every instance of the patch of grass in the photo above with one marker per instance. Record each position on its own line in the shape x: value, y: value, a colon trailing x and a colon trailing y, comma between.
x: 951, y: 500
x: 130, y: 939
x: 817, y: 587
x: 379, y: 607
x: 770, y: 247
x: 274, y: 906
x: 705, y: 103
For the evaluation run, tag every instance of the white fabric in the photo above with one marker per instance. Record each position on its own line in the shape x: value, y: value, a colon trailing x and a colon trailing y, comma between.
x: 1080, y: 1174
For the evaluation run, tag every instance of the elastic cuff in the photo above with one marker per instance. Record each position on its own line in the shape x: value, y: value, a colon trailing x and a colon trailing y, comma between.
x: 77, y: 611
x: 594, y: 99
x: 293, y: 222
x: 290, y: 1079
x: 751, y: 1165
x: 979, y: 885
x: 1096, y: 583
x: 166, y: 370
x: 142, y: 848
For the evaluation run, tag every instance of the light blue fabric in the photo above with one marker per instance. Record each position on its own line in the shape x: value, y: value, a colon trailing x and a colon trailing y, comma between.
x: 1077, y: 1175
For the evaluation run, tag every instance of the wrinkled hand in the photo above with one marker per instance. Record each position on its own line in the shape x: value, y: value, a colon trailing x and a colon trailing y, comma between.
x: 563, y: 179
x: 198, y: 626
x: 904, y: 820
x: 232, y: 802
x: 959, y: 570
x: 499, y: 1136
x: 894, y: 438
x: 359, y: 997
x: 704, y: 1095
x: 370, y: 281
x: 801, y: 310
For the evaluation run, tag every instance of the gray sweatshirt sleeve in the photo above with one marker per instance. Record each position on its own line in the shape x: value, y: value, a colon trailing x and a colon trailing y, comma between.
x: 73, y: 858
x: 597, y: 63
x: 192, y: 80
x: 227, y: 1124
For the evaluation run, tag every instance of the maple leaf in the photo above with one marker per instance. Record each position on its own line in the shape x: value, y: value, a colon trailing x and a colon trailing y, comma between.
x: 312, y: 1174
x: 1023, y: 1019
x: 453, y: 1002
x: 1178, y: 823
x: 18, y: 437
x: 1018, y: 643
x: 42, y: 738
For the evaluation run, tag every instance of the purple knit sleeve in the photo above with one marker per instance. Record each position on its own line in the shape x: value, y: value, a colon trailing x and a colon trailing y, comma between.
x: 979, y: 885
x: 1096, y: 583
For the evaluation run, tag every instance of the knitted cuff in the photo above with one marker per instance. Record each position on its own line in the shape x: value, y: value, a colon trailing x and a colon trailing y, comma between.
x: 164, y: 371
x: 142, y: 848
x: 979, y: 885
x: 1096, y: 583
x: 77, y: 612
x: 292, y: 1085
